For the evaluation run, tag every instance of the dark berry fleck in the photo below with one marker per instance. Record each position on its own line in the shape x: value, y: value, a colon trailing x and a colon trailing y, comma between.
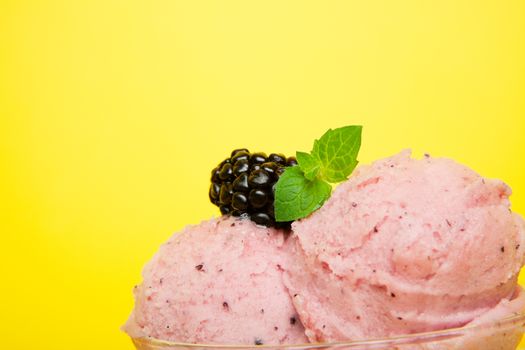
x: 292, y: 320
x: 258, y: 341
x: 199, y: 267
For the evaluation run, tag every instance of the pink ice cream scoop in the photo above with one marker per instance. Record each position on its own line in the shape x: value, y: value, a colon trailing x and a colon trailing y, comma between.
x: 407, y: 246
x: 218, y: 282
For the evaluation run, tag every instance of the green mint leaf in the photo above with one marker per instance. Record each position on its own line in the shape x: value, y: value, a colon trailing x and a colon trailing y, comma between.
x: 304, y: 188
x: 309, y: 164
x: 337, y: 152
x: 296, y: 196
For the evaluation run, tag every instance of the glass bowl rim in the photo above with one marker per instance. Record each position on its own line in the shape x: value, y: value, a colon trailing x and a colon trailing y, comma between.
x: 448, y: 333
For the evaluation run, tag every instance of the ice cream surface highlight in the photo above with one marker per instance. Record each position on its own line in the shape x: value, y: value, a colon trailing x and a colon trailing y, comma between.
x: 407, y: 246
x: 218, y: 282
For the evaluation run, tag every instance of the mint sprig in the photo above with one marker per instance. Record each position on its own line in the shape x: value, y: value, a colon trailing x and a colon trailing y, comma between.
x: 304, y: 188
x: 337, y: 152
x: 309, y: 164
x: 296, y: 195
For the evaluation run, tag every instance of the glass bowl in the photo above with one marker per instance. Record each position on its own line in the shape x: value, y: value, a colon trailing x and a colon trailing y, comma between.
x: 504, y: 334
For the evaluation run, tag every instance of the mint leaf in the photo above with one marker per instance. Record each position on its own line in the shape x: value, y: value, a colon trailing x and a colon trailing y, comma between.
x: 296, y: 196
x: 337, y: 152
x: 309, y: 164
x: 304, y: 188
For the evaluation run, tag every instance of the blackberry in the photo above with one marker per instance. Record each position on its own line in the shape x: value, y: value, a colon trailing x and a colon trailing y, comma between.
x: 243, y: 185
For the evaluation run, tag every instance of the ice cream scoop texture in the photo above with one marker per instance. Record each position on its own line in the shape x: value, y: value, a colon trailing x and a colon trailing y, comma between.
x: 404, y: 246
x: 218, y: 282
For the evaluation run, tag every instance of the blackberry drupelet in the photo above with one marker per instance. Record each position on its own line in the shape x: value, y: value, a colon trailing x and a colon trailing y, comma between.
x: 243, y: 185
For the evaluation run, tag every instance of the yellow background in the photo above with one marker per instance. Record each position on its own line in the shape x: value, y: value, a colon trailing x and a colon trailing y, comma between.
x: 114, y: 112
